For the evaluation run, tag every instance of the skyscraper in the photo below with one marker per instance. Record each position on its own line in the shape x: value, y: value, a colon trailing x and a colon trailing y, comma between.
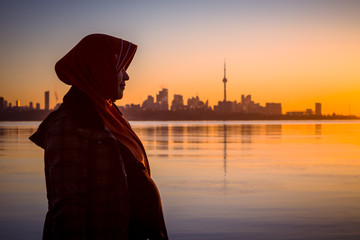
x: 318, y: 109
x: 273, y: 109
x: 224, y: 81
x: 47, y: 100
x: 2, y: 101
x: 177, y: 103
x: 148, y: 103
x: 162, y: 100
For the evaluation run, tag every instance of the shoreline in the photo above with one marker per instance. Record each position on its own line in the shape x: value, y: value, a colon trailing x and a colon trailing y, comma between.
x: 40, y: 115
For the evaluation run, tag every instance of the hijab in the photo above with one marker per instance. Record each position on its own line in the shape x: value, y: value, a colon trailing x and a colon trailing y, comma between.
x: 92, y: 66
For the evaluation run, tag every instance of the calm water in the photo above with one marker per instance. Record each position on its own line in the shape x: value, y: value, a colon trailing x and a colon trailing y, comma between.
x: 218, y: 180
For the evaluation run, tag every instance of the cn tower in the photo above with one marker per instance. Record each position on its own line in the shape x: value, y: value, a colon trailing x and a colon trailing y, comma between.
x: 224, y: 81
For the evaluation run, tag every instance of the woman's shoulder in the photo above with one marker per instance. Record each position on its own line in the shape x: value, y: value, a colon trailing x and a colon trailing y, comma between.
x: 55, y: 117
x: 65, y: 123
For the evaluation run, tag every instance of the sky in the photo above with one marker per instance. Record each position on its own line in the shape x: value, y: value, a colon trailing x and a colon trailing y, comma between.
x: 293, y: 52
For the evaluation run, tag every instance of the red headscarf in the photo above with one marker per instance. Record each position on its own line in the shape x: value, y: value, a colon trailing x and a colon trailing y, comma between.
x: 92, y: 66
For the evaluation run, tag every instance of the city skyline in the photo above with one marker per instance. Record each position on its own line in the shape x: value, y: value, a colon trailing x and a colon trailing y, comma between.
x: 162, y: 103
x: 245, y: 105
x: 294, y: 52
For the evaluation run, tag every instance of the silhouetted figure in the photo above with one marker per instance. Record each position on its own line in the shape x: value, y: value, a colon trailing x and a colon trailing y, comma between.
x: 97, y: 172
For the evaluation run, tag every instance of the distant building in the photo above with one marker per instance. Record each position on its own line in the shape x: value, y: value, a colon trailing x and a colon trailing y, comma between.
x: 224, y: 81
x: 195, y: 104
x: 162, y: 100
x: 133, y: 107
x: 250, y: 106
x: 148, y: 103
x: 177, y: 103
x: 225, y: 106
x: 31, y: 105
x: 318, y: 109
x: 2, y: 102
x: 309, y: 112
x: 37, y: 106
x: 273, y: 109
x: 47, y: 100
x: 246, y: 100
x: 17, y: 103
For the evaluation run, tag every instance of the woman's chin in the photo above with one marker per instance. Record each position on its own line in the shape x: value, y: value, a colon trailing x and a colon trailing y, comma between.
x: 120, y: 95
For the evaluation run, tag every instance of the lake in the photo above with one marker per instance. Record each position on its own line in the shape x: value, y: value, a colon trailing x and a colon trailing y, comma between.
x: 217, y: 179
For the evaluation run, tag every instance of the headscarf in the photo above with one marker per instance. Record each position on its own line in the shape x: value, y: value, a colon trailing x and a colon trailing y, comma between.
x: 92, y: 66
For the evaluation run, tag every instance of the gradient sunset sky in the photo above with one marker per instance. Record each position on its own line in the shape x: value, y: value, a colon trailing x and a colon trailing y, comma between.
x: 293, y: 52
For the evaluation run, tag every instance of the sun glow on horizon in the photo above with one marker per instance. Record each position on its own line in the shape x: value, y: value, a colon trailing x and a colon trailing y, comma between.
x: 292, y: 53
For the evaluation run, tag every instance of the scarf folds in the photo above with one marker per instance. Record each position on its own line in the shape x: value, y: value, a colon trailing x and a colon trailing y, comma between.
x: 92, y: 66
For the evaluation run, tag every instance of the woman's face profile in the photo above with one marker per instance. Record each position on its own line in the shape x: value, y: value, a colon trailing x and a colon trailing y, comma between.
x: 122, y: 76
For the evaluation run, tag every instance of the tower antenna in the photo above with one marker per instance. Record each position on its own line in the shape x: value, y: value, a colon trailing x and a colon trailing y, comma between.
x: 224, y: 80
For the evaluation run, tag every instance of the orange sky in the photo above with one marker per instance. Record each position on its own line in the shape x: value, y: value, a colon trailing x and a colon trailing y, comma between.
x: 293, y: 53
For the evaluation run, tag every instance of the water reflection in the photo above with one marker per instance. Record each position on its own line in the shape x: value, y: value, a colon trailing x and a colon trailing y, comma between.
x: 273, y: 129
x: 225, y: 148
x: 13, y: 137
x: 162, y: 137
x: 225, y: 153
x: 218, y: 180
x: 149, y: 137
x: 177, y: 134
x: 275, y: 180
x: 318, y: 129
x: 22, y: 186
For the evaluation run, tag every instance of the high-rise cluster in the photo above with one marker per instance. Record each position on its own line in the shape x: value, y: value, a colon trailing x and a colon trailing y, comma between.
x: 4, y: 104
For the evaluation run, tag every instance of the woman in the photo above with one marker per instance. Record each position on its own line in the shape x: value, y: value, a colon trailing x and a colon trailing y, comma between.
x: 97, y: 172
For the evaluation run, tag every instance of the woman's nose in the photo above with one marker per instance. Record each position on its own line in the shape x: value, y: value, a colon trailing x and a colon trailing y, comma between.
x: 126, y: 76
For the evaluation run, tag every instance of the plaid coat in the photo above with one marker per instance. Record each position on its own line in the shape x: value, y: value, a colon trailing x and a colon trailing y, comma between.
x: 85, y: 180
